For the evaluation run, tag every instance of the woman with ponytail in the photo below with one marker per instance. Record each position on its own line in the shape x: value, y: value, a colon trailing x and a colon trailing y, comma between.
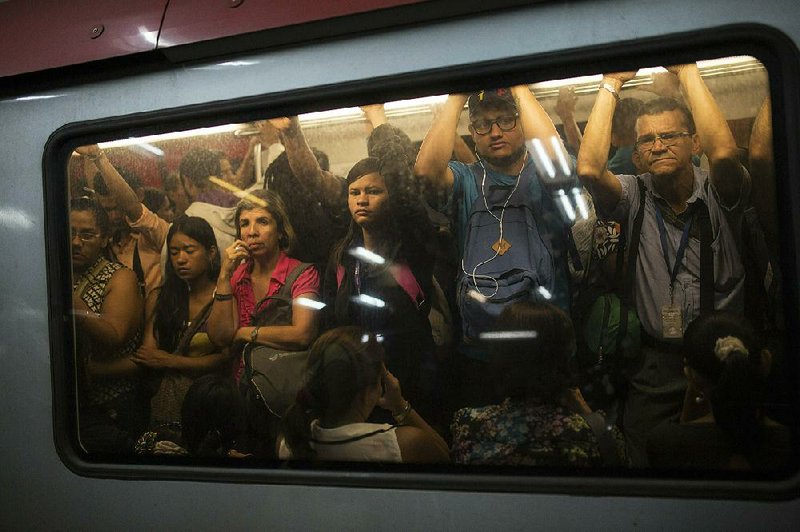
x: 722, y: 424
x: 345, y: 380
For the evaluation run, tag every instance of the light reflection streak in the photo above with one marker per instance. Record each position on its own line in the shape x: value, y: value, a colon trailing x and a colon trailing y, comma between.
x: 12, y: 218
x: 561, y: 155
x: 540, y: 158
x: 545, y: 292
x: 566, y: 204
x: 580, y: 201
x: 310, y: 303
x: 369, y: 301
x: 508, y: 335
x: 365, y: 255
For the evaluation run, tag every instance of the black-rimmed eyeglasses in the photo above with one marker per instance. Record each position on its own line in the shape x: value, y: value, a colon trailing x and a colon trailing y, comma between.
x: 505, y: 123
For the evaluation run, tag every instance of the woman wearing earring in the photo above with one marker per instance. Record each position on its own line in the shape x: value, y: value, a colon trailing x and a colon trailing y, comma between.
x: 176, y: 345
x: 722, y: 425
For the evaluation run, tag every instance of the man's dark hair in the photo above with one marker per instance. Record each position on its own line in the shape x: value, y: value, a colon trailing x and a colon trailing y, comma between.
x: 100, y: 215
x: 665, y: 105
x: 389, y: 133
x: 625, y: 115
x: 171, y: 182
x: 198, y: 165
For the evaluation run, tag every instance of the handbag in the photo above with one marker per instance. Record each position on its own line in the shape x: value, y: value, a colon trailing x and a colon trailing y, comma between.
x: 275, y: 376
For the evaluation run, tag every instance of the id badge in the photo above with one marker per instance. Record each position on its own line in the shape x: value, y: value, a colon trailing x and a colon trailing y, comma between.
x: 672, y: 321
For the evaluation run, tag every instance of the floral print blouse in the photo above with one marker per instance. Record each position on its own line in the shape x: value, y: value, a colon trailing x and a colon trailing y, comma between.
x: 517, y: 432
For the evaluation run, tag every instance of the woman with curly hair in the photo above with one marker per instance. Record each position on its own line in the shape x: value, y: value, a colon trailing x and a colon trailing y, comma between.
x: 383, y: 266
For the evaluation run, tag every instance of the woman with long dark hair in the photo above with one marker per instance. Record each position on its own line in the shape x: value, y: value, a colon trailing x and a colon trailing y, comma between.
x: 176, y: 344
x: 722, y: 424
x: 346, y: 380
x: 384, y: 268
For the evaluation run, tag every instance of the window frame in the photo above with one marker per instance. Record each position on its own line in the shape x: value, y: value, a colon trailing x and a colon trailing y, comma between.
x: 775, y: 50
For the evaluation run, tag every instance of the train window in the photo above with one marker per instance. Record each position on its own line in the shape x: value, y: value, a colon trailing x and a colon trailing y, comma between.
x: 571, y: 277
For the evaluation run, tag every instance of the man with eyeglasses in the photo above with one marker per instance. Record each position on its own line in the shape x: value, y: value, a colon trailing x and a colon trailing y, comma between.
x: 688, y: 256
x: 506, y: 224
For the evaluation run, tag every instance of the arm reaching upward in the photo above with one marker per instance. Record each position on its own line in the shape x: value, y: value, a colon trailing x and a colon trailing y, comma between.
x: 127, y: 200
x: 303, y: 163
x: 437, y: 148
x: 715, y: 136
x: 593, y: 156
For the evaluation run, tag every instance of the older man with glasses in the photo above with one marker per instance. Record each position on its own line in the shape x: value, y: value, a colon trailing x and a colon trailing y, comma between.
x: 688, y: 259
x: 511, y: 235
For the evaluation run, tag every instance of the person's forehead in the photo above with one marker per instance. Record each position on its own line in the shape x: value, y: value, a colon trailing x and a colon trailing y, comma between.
x: 493, y: 111
x: 254, y: 213
x: 372, y: 178
x: 82, y: 220
x: 183, y: 240
x: 661, y: 122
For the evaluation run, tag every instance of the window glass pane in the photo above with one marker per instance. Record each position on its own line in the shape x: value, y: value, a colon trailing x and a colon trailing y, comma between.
x: 458, y: 278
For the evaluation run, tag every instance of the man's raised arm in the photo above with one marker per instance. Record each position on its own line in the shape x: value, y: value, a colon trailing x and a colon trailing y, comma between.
x: 606, y: 190
x: 536, y: 123
x: 715, y: 136
x: 437, y: 148
x: 304, y: 164
x: 127, y: 200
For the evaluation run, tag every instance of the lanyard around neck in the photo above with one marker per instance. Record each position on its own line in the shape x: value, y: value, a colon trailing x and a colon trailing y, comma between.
x: 684, y: 243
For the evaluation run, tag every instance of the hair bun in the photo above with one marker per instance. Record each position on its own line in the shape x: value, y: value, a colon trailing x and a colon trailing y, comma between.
x: 727, y: 345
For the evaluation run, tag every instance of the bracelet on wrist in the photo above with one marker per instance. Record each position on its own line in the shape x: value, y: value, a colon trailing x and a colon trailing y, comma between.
x: 610, y: 88
x: 94, y: 157
x: 222, y: 297
x: 403, y: 414
x: 254, y: 334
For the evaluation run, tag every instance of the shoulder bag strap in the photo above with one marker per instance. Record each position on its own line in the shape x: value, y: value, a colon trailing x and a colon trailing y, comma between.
x: 197, y: 322
x: 626, y: 300
x: 137, y: 267
x: 285, y: 291
x: 706, y: 257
